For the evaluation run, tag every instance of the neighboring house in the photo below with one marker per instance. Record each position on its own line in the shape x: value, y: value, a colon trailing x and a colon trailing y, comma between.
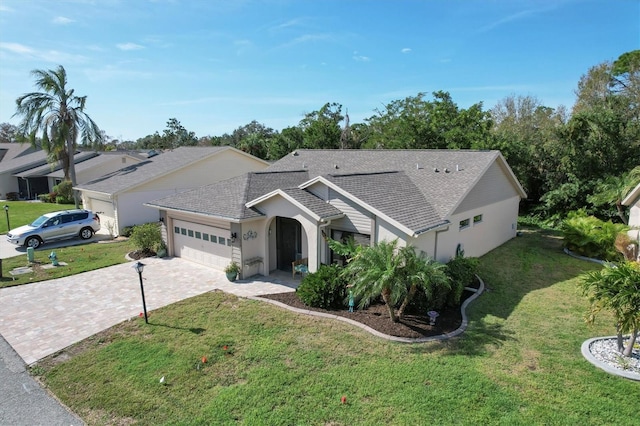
x: 633, y: 201
x: 118, y: 196
x: 88, y: 165
x: 25, y: 170
x: 439, y: 201
x: 15, y: 158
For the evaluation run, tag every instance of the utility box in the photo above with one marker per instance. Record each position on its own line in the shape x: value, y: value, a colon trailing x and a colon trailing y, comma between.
x: 30, y: 256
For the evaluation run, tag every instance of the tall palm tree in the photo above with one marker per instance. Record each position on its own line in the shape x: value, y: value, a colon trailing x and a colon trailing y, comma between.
x: 58, y: 116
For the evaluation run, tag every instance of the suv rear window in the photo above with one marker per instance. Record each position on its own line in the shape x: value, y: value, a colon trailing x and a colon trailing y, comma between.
x: 80, y: 216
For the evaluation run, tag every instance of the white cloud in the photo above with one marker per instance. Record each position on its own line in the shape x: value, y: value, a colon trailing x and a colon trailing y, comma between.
x: 129, y: 46
x: 61, y: 20
x: 405, y: 50
x: 17, y: 48
x: 360, y: 58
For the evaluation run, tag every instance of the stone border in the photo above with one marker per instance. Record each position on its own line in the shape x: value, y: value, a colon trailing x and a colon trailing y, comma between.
x: 586, y: 352
x: 458, y: 331
x: 588, y: 259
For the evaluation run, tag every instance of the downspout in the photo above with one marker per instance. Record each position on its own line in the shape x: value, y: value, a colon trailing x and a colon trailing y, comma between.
x: 323, y: 224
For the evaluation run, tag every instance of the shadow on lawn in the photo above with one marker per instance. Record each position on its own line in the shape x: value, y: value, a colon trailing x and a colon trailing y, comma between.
x: 194, y: 330
x: 525, y: 264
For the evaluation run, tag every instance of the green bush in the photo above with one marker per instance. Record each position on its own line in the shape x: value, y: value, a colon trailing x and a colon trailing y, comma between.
x: 126, y: 231
x: 48, y: 198
x: 147, y: 237
x: 591, y: 237
x: 64, y: 193
x: 324, y: 289
x: 462, y: 271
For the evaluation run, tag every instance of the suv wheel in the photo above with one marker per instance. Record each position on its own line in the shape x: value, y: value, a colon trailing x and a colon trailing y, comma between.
x: 86, y: 233
x: 33, y: 242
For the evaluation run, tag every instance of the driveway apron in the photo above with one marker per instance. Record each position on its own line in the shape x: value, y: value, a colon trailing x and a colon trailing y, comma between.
x: 42, y: 318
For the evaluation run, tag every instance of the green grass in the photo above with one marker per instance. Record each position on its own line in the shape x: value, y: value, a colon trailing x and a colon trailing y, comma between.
x: 23, y: 212
x: 518, y: 363
x: 82, y: 258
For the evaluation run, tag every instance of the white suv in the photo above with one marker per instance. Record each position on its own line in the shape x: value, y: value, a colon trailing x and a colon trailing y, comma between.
x: 56, y: 226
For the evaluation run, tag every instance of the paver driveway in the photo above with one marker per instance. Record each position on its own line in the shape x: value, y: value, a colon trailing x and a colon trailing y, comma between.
x: 42, y: 318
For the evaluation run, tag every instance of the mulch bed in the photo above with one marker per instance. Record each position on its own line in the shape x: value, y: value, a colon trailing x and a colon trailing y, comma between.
x: 377, y: 317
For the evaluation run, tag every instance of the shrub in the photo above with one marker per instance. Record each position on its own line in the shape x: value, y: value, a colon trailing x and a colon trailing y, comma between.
x: 48, y: 198
x: 324, y: 289
x: 147, y: 237
x: 64, y: 193
x: 462, y: 271
x: 591, y: 237
x: 126, y: 231
x: 13, y: 196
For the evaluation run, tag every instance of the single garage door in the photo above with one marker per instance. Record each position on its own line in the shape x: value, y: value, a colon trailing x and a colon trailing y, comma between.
x: 104, y: 209
x: 203, y: 244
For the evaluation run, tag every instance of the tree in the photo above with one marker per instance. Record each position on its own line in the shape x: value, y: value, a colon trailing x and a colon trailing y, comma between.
x: 374, y: 272
x: 415, y: 123
x: 175, y: 135
x: 421, y: 273
x: 58, y: 115
x: 321, y: 129
x: 611, y: 190
x: 8, y: 133
x: 616, y: 288
x: 395, y: 274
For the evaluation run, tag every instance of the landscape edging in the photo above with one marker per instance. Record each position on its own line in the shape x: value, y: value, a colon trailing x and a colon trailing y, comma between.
x: 456, y: 332
x: 586, y: 352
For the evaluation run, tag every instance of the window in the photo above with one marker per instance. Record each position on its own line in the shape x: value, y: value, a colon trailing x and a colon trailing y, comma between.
x: 477, y: 219
x: 214, y: 239
x: 183, y: 231
x: 190, y: 232
x: 198, y: 235
x: 205, y: 236
x: 221, y: 240
x: 176, y: 229
x: 464, y: 223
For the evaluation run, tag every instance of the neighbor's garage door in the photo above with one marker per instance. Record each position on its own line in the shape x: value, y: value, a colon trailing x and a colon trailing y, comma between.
x: 203, y: 244
x: 104, y: 209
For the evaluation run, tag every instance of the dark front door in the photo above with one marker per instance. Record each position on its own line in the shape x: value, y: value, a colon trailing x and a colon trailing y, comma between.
x: 288, y: 241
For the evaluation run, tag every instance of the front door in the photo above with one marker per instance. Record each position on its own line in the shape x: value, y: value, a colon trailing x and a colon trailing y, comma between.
x: 288, y: 242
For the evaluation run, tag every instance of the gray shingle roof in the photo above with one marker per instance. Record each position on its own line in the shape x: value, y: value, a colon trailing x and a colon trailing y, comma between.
x: 227, y: 198
x: 149, y: 169
x: 442, y: 189
x: 416, y: 188
x: 46, y: 169
x: 394, y: 195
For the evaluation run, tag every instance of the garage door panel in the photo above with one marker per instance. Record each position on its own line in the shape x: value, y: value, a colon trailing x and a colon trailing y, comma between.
x: 203, y: 244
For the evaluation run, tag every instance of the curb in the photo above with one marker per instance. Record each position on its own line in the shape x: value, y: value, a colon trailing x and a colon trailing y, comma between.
x: 456, y: 332
x: 586, y: 352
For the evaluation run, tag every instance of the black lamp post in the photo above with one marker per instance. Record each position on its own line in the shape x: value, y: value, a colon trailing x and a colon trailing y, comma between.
x: 139, y: 267
x: 6, y: 211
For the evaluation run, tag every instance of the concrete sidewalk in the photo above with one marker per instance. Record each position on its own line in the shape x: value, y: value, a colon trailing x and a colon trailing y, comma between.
x: 42, y: 318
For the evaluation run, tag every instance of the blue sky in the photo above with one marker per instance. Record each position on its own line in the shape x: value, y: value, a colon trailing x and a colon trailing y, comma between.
x: 216, y: 65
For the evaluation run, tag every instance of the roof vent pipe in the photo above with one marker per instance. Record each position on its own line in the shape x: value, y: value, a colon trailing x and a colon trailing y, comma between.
x: 446, y: 170
x: 436, y: 170
x: 457, y: 167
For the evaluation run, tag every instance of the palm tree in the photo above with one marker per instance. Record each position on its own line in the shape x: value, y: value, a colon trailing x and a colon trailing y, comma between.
x: 421, y: 272
x: 613, y: 189
x: 375, y: 271
x: 617, y: 288
x: 58, y: 116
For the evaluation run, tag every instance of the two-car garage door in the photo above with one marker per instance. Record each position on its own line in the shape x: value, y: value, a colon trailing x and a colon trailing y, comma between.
x: 203, y: 244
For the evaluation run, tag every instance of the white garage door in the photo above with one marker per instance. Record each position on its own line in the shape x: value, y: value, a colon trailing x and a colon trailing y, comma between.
x: 104, y: 209
x: 207, y: 245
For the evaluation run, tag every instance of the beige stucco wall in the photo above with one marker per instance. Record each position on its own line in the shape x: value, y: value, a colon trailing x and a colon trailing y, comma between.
x: 8, y: 183
x: 278, y: 206
x: 498, y: 225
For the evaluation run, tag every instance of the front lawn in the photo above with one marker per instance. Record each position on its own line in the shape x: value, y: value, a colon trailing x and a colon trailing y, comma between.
x: 82, y: 258
x: 519, y: 361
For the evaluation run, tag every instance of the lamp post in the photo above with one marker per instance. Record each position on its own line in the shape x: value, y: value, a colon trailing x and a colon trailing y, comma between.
x: 6, y: 211
x: 139, y: 267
